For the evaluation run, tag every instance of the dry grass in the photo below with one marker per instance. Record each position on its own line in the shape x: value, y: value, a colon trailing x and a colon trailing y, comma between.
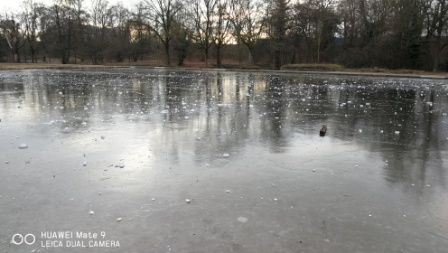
x: 314, y: 66
x: 199, y: 64
x: 392, y: 71
x: 340, y: 68
x: 10, y: 66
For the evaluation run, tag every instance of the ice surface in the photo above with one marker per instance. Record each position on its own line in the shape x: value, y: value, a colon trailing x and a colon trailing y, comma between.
x: 282, y: 188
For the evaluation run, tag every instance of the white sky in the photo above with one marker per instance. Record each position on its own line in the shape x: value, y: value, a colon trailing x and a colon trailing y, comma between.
x: 15, y: 5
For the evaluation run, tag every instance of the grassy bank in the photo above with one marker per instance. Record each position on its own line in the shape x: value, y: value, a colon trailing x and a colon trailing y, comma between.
x: 11, y: 66
x: 336, y: 67
x: 314, y: 66
x: 289, y: 67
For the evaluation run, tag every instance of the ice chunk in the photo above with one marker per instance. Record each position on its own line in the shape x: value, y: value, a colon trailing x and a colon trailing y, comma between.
x: 91, y: 212
x: 242, y: 219
x: 23, y: 146
x: 225, y: 155
x: 188, y: 200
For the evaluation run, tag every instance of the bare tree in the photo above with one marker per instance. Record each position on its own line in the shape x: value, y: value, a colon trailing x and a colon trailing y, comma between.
x: 203, y: 15
x: 12, y: 32
x: 96, y: 39
x: 247, y: 18
x: 277, y: 16
x: 436, y: 26
x: 221, y: 30
x: 62, y: 27
x: 30, y: 19
x: 315, y: 22
x: 121, y: 34
x: 161, y: 15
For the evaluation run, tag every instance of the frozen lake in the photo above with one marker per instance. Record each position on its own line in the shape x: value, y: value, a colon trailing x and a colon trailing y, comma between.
x: 172, y: 161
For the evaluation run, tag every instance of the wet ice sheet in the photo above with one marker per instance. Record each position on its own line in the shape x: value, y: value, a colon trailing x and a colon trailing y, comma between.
x: 122, y: 153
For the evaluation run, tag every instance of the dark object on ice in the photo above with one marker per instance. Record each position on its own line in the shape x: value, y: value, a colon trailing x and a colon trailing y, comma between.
x: 323, y: 130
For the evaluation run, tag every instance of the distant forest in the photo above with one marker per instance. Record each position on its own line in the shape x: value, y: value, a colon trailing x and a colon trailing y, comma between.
x: 395, y: 34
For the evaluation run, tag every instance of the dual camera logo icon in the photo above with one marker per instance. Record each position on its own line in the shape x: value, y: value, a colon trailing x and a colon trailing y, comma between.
x: 19, y: 239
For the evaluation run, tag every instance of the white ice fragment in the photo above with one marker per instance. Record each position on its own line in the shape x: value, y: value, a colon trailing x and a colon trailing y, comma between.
x: 91, y: 212
x: 242, y: 219
x: 360, y: 130
x: 314, y: 170
x: 23, y: 146
x: 153, y: 199
x: 188, y: 200
x: 119, y: 165
x: 381, y: 131
x: 119, y: 219
x: 228, y: 191
x: 84, y: 163
x: 275, y: 199
x: 397, y: 132
x: 225, y: 155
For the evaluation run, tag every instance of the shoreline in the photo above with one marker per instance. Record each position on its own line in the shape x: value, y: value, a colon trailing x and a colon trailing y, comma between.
x: 28, y: 66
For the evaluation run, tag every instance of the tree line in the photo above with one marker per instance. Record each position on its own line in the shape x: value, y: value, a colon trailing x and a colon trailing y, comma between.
x: 394, y: 34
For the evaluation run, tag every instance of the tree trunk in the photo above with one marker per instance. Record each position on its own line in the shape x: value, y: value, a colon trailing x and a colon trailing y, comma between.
x: 218, y: 56
x: 277, y: 59
x: 435, y: 66
x: 251, y: 58
x: 166, y: 44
